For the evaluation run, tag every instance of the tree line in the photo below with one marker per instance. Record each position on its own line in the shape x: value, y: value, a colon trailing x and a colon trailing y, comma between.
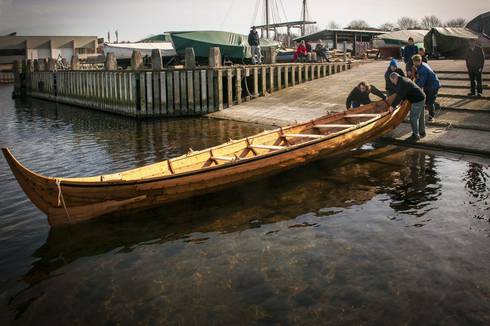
x: 426, y: 22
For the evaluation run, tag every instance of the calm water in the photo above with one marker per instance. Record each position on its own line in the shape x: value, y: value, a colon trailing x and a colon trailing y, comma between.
x: 385, y: 235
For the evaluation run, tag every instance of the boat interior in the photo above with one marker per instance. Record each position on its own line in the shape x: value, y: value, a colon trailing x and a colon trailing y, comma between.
x: 265, y: 143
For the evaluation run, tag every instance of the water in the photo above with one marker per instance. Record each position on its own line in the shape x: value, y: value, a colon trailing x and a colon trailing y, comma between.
x: 384, y: 235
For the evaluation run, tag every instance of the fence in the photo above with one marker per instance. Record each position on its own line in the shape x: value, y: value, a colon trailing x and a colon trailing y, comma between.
x: 172, y: 92
x: 6, y: 77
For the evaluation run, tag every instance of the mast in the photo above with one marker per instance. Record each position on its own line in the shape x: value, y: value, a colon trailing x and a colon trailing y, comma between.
x: 304, y: 19
x: 267, y: 18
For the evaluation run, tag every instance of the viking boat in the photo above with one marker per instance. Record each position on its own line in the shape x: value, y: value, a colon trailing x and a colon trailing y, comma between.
x: 72, y: 200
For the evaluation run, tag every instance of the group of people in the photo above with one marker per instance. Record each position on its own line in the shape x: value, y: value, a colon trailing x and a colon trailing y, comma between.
x: 304, y: 48
x: 419, y: 84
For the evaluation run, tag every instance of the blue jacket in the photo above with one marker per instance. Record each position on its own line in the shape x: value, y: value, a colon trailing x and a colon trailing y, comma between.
x: 427, y: 78
x: 408, y: 52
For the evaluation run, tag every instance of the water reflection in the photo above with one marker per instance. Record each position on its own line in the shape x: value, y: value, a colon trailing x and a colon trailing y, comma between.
x: 339, y: 241
x: 324, y: 188
x: 416, y: 185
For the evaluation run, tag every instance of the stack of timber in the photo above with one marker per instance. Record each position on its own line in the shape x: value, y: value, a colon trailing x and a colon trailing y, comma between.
x: 73, y: 200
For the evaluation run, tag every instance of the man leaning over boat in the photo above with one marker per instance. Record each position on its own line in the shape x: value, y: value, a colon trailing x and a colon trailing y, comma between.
x: 406, y: 89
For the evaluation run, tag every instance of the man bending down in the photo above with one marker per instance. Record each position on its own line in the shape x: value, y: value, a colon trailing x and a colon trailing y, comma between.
x: 406, y: 89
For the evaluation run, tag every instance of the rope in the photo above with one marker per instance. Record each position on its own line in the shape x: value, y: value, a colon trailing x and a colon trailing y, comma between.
x: 61, y: 200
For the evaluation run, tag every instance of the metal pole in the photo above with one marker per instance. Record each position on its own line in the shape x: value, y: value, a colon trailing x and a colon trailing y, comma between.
x: 267, y: 18
x: 303, y: 30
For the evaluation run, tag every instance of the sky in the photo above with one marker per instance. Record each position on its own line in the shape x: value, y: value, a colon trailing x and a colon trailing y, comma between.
x: 138, y: 19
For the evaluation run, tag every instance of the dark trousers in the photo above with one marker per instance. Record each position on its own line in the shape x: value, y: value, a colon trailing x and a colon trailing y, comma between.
x: 430, y: 100
x: 475, y: 78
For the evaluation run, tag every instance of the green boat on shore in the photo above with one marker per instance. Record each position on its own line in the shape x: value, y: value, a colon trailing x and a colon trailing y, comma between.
x: 233, y: 46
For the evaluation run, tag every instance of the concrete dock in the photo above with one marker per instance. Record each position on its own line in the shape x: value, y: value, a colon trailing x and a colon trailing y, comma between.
x: 462, y: 123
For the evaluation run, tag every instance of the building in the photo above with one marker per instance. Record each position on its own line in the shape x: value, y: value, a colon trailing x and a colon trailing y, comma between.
x: 354, y: 38
x: 13, y: 47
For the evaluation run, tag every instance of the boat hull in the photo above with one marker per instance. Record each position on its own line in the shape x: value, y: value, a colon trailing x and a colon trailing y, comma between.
x: 68, y: 202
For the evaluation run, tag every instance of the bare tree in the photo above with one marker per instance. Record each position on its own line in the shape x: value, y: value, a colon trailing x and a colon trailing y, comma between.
x: 310, y: 29
x: 333, y: 25
x: 456, y: 22
x: 407, y: 23
x: 387, y: 27
x: 358, y: 24
x: 430, y: 21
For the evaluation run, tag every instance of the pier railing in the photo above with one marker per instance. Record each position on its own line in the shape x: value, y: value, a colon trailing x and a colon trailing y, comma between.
x: 172, y: 92
x: 6, y: 77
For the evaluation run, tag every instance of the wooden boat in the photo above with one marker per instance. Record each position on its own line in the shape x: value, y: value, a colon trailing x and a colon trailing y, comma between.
x: 73, y: 200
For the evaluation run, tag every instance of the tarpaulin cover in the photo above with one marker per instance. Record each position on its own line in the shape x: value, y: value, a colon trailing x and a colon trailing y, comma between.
x: 400, y: 38
x: 480, y: 24
x: 449, y: 41
x: 165, y: 37
x: 125, y: 50
x: 232, y: 45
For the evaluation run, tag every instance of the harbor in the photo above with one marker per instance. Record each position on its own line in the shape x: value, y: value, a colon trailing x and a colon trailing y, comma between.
x: 244, y: 163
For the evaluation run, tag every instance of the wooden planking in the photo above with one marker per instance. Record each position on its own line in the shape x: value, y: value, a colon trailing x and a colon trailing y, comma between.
x: 204, y: 92
x: 271, y: 147
x: 219, y: 89
x: 176, y: 81
x: 238, y: 85
x: 286, y: 76
x: 197, y: 92
x: 170, y: 93
x: 264, y: 80
x: 256, y: 81
x: 183, y: 93
x: 190, y: 92
x: 279, y: 77
x: 334, y: 125
x: 229, y: 88
x: 293, y: 75
x: 303, y: 136
x: 163, y: 92
x: 271, y: 79
x: 211, y: 101
x: 156, y: 92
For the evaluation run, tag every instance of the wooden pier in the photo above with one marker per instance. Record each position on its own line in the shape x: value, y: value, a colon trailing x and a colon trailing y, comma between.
x: 170, y: 92
x: 462, y: 123
x: 6, y: 77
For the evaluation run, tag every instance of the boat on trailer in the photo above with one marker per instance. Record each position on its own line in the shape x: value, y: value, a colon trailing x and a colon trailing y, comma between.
x: 72, y: 200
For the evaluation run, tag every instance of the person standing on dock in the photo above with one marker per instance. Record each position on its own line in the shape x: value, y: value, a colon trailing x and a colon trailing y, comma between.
x: 408, y: 52
x: 406, y: 89
x: 427, y: 79
x: 254, y: 42
x: 393, y: 67
x: 423, y: 54
x: 360, y: 95
x: 475, y: 60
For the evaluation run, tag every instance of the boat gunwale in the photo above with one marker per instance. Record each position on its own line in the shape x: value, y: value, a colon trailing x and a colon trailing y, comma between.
x: 109, y: 183
x: 81, y: 184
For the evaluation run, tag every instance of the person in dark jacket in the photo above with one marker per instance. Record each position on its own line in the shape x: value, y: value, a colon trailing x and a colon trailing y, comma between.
x: 360, y: 95
x: 393, y: 67
x: 475, y: 60
x: 406, y: 89
x: 408, y: 52
x: 423, y: 54
x: 254, y: 42
x: 427, y: 79
x: 308, y: 47
x: 321, y: 53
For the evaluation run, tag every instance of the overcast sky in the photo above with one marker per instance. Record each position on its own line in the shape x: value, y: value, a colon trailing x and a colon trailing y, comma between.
x: 138, y: 19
